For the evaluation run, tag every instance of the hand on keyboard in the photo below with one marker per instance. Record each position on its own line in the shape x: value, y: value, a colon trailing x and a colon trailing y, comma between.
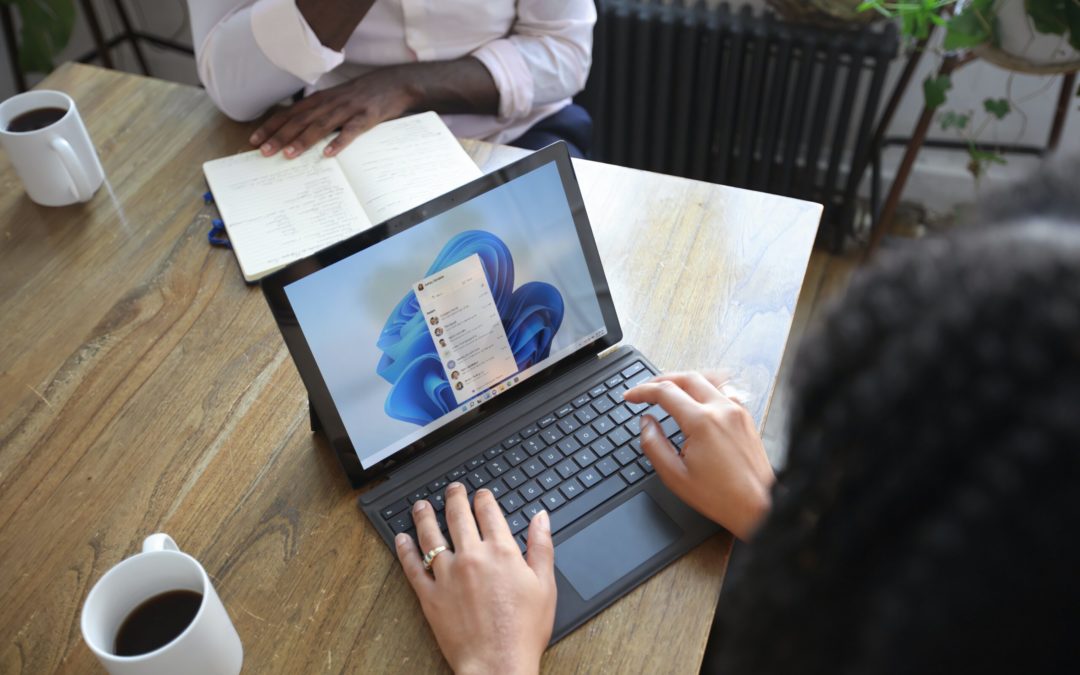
x: 722, y: 472
x: 492, y: 611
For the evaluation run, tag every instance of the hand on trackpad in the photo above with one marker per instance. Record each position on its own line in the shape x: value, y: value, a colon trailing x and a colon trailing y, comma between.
x: 613, y: 546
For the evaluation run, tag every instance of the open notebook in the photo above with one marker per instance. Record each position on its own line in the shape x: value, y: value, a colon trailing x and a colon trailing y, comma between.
x: 278, y: 210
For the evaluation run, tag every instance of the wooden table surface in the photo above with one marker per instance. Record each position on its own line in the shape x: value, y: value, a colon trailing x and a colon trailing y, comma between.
x: 144, y: 388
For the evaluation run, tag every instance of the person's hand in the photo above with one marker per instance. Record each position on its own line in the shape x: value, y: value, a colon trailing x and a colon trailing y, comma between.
x: 490, y: 610
x: 723, y: 471
x: 354, y: 106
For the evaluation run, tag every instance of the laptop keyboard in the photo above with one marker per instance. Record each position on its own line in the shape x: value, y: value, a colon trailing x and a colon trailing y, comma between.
x: 568, y: 462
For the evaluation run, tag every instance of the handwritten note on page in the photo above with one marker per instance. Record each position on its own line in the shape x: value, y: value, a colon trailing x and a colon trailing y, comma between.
x: 278, y: 210
x: 403, y: 163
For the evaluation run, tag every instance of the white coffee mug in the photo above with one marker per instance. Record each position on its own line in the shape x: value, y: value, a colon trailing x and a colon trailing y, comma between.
x: 210, y: 643
x: 57, y: 163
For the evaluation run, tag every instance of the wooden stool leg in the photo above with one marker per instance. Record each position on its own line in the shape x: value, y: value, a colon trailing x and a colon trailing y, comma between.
x: 95, y: 31
x: 948, y: 65
x: 131, y: 36
x: 1068, y: 85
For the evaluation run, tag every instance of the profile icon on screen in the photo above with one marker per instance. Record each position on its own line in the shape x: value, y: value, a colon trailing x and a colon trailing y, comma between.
x: 434, y: 321
x: 454, y: 375
x: 459, y: 386
x: 438, y: 332
x: 442, y: 342
x: 419, y: 287
x: 451, y: 364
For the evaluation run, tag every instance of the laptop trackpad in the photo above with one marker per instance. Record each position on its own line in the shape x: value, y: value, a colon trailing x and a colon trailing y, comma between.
x: 610, y: 548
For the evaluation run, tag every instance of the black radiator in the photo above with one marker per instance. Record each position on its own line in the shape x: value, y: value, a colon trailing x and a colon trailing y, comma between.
x: 739, y: 99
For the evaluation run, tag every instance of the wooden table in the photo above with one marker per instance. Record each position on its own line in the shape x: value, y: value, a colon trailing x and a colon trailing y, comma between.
x: 144, y: 387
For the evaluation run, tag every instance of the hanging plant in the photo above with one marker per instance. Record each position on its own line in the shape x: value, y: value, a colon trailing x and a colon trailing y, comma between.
x: 45, y: 29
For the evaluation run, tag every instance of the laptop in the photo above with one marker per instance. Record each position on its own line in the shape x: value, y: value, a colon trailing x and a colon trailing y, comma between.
x: 474, y: 339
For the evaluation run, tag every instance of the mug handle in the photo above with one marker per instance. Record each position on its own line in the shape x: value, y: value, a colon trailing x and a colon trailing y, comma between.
x: 159, y: 542
x: 83, y: 190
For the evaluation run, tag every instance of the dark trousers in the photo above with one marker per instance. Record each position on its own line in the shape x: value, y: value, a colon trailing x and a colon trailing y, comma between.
x: 571, y: 124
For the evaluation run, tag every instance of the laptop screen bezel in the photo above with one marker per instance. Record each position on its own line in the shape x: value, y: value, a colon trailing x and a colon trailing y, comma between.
x: 322, y: 404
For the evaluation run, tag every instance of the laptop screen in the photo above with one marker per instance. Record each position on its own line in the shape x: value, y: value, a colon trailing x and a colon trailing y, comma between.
x: 421, y: 327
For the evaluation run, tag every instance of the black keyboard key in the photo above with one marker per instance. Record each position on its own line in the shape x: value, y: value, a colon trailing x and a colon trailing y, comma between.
x: 511, y: 502
x: 603, y: 424
x: 619, y: 437
x: 632, y: 370
x: 546, y: 421
x: 564, y: 410
x: 418, y: 495
x: 634, y: 426
x: 602, y: 405
x: 590, y: 477
x: 567, y: 468
x: 678, y: 440
x: 456, y: 474
x: 437, y: 485
x: 438, y: 501
x: 568, y: 446
x: 517, y: 523
x: 550, y: 456
x: 551, y: 435
x: 515, y: 456
x: 474, y: 462
x: 613, y: 381
x: 585, y: 415
x: 571, y: 488
x: 602, y: 447
x: 634, y: 381
x: 636, y: 407
x: 533, y: 509
x: 620, y: 414
x: 549, y: 479
x: 586, y: 435
x: 530, y: 430
x: 632, y: 473
x: 533, y: 467
x: 478, y: 479
x: 598, y: 390
x: 498, y: 488
x: 534, y: 445
x: 512, y: 441
x: 553, y: 500
x: 636, y: 445
x: 607, y: 466
x: 670, y: 427
x: 568, y: 425
x: 584, y: 458
x: 646, y: 464
x: 515, y: 478
x: 397, y: 507
x: 530, y: 490
x: 658, y: 413
x: 497, y: 467
x: 401, y: 522
x: 586, y: 502
x: 625, y: 455
x: 580, y: 400
x: 616, y: 396
x: 493, y: 452
x: 440, y: 520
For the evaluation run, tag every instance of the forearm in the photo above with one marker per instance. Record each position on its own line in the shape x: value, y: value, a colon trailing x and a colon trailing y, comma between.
x: 460, y: 86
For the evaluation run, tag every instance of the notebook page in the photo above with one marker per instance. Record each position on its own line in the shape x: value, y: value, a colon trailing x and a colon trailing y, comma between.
x: 278, y: 210
x: 403, y: 163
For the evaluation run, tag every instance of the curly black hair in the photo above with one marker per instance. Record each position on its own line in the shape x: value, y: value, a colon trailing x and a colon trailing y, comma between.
x: 930, y: 514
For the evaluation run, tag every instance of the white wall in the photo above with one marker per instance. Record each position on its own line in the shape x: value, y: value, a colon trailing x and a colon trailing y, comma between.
x: 940, y: 178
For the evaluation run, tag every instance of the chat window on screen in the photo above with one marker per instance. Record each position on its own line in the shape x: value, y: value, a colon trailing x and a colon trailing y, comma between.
x: 460, y: 313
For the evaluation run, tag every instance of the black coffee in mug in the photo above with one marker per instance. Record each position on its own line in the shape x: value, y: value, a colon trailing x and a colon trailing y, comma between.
x: 35, y: 119
x: 157, y: 622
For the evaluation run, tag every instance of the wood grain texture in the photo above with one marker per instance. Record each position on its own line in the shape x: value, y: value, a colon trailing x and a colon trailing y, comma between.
x: 144, y: 387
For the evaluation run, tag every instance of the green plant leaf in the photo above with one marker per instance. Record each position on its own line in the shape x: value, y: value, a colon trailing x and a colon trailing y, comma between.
x: 954, y: 120
x: 976, y: 25
x: 999, y: 107
x: 46, y: 29
x: 934, y: 89
x: 1047, y: 15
